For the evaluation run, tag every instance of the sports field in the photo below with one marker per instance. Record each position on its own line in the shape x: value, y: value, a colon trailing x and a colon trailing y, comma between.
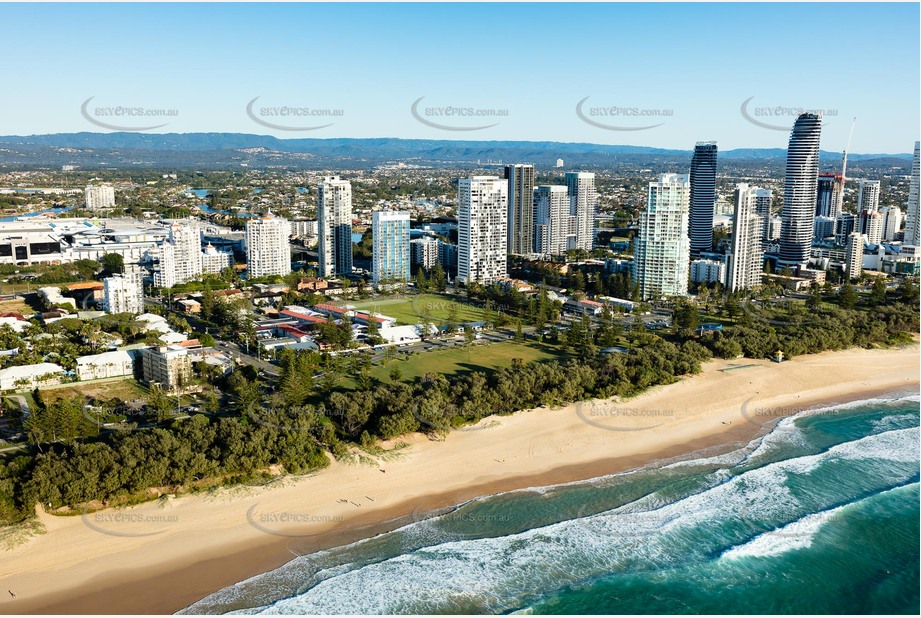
x: 435, y: 308
x: 460, y: 359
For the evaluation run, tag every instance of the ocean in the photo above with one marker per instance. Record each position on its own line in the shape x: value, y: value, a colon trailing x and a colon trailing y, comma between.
x: 818, y: 516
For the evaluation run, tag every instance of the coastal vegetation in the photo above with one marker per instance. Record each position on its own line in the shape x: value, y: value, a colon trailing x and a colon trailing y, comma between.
x: 323, y: 404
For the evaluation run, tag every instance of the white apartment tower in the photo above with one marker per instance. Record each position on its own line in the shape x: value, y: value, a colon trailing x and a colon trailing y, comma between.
x: 482, y: 204
x: 868, y: 196
x: 268, y: 247
x: 871, y: 226
x: 180, y: 256
x: 746, y: 261
x: 124, y: 293
x: 553, y: 223
x: 424, y: 252
x: 892, y: 221
x: 170, y: 368
x: 763, y: 199
x: 912, y: 216
x: 583, y: 204
x: 390, y: 251
x: 97, y: 197
x: 800, y: 190
x: 708, y: 271
x: 853, y: 266
x: 334, y: 226
x: 661, y: 252
x: 214, y: 261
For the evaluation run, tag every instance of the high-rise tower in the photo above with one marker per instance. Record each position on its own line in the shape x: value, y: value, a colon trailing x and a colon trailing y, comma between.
x: 334, y: 226
x: 703, y: 196
x: 520, y: 208
x: 800, y: 188
x: 482, y: 203
x: 583, y: 203
x: 912, y: 216
x: 661, y: 253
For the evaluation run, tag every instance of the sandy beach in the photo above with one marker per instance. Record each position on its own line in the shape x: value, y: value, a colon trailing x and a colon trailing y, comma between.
x: 162, y: 556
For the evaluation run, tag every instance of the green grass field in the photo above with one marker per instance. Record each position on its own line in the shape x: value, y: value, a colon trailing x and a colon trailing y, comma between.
x: 431, y: 307
x: 459, y: 360
x: 19, y: 306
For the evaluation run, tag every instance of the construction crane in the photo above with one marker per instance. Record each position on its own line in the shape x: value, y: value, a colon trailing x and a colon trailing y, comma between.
x: 844, y: 164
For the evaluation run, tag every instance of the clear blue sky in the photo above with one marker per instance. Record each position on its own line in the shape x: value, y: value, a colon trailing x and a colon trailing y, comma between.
x: 372, y: 61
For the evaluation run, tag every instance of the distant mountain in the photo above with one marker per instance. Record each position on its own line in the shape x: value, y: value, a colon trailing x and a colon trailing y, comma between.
x: 211, y: 150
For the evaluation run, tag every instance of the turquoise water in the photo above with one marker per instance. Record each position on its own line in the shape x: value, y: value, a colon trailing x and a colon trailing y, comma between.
x: 818, y: 516
x: 56, y: 211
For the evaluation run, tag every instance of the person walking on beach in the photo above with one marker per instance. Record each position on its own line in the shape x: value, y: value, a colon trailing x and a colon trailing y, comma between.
x: 12, y: 594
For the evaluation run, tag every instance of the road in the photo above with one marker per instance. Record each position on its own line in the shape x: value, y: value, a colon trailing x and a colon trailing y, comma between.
x: 230, y: 348
x: 233, y: 350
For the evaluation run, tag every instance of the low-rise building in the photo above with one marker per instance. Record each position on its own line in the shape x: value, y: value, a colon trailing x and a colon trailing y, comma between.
x: 213, y: 357
x: 213, y: 260
x: 30, y: 376
x: 589, y: 307
x: 793, y: 284
x: 311, y: 284
x: 508, y: 283
x: 228, y: 295
x: 813, y: 274
x: 52, y: 298
x: 189, y: 305
x: 400, y: 335
x: 302, y: 316
x: 270, y: 288
x: 86, y: 293
x: 619, y: 303
x: 106, y: 365
x: 708, y: 271
x: 14, y: 320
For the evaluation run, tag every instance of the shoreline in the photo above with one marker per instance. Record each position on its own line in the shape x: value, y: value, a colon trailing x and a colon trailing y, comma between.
x: 74, y: 569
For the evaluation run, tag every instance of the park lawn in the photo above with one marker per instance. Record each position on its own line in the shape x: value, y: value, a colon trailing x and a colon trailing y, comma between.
x: 460, y: 360
x: 125, y: 389
x: 27, y: 287
x: 12, y: 401
x: 18, y: 306
x: 430, y: 307
x: 710, y: 318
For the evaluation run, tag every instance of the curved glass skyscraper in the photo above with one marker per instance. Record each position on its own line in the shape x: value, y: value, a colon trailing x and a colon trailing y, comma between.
x: 800, y: 187
x: 703, y: 197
